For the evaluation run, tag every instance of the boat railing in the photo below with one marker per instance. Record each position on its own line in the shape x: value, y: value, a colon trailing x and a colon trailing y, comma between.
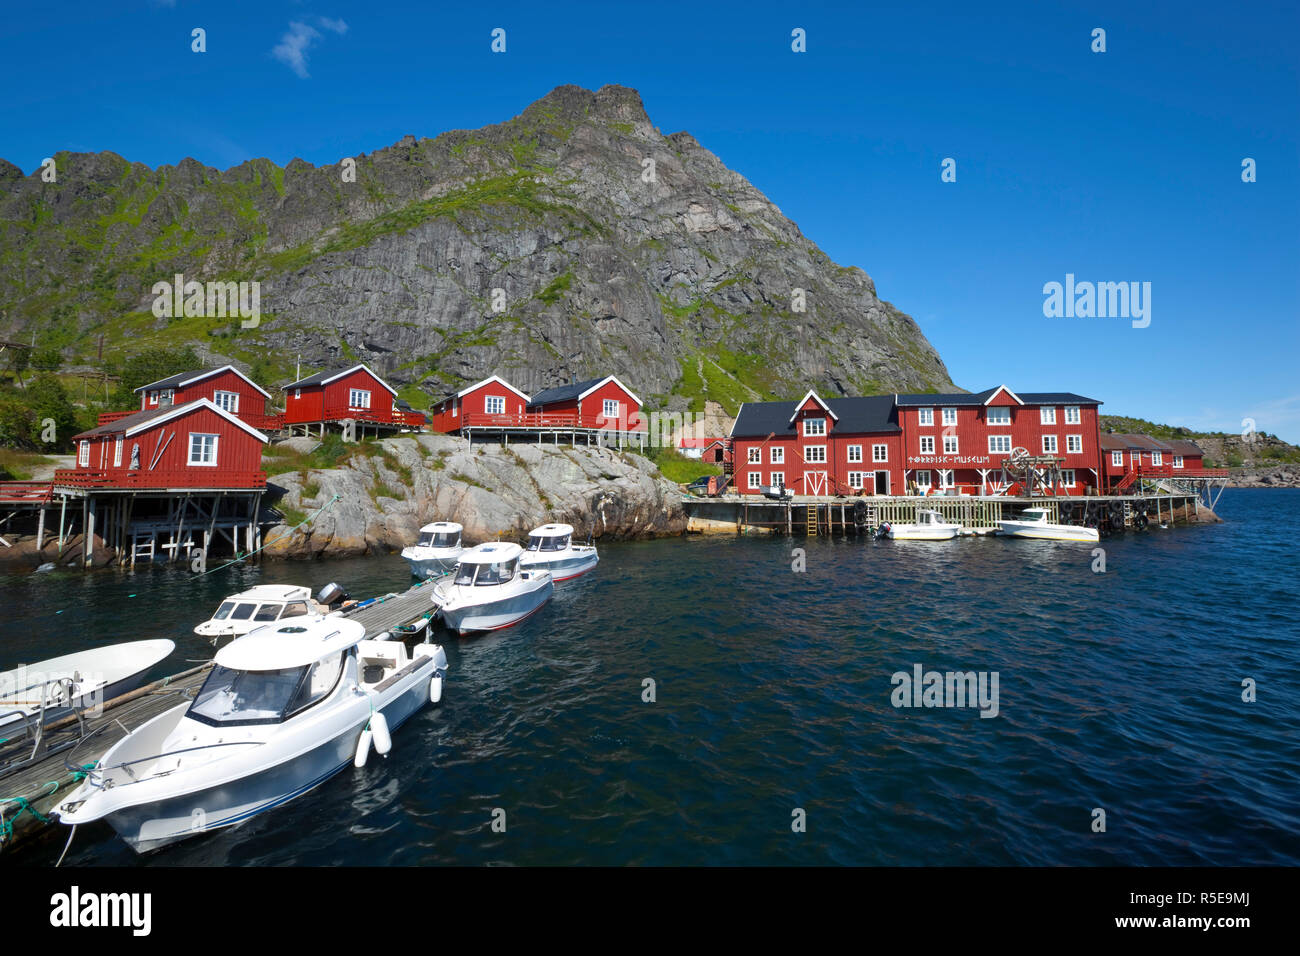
x: 126, y: 765
x: 34, y: 724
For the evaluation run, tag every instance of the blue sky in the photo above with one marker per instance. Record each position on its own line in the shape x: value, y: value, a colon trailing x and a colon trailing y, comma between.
x: 1115, y: 166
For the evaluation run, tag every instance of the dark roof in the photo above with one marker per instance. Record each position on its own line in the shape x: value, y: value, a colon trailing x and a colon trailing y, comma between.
x: 563, y: 393
x: 173, y: 380
x: 1119, y: 441
x: 1180, y: 446
x: 979, y: 398
x: 318, y: 378
x: 130, y: 421
x: 874, y: 413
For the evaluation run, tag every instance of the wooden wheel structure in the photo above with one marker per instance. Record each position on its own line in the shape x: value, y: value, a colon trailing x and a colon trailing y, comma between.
x: 1037, y: 475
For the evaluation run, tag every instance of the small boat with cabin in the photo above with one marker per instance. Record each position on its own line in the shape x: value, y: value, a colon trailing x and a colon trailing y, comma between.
x: 436, y: 550
x: 551, y: 548
x: 1033, y: 523
x: 257, y: 607
x: 490, y: 590
x: 283, y: 709
x: 929, y: 526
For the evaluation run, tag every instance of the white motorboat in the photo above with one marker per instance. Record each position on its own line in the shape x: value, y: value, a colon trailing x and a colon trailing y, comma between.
x: 436, y: 550
x: 1033, y: 523
x: 929, y: 526
x: 257, y: 607
x: 45, y: 691
x: 490, y: 591
x: 284, y: 708
x: 551, y: 548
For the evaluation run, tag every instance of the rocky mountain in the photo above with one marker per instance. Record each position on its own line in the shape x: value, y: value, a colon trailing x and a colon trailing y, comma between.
x: 614, y: 249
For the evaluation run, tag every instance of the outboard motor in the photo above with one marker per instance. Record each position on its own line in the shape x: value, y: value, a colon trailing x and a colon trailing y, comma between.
x: 331, y: 594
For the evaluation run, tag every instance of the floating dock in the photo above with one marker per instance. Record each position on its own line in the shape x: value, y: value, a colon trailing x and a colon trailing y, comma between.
x: 45, y: 772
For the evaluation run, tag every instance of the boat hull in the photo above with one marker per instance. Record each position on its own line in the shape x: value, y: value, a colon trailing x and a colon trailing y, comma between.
x: 1013, y: 529
x: 913, y: 533
x: 498, y: 614
x: 129, y: 676
x: 429, y: 562
x: 563, y: 569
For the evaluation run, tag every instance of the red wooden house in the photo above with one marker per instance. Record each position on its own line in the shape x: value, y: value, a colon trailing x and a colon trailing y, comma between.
x: 193, y: 446
x: 339, y: 395
x: 598, y: 403
x: 817, y: 447
x: 491, y: 401
x: 226, y: 387
x: 1128, y: 457
x: 958, y: 441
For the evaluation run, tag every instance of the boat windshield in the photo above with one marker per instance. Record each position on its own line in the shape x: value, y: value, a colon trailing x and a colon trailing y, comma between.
x: 538, y: 542
x: 268, y: 612
x: 234, y: 611
x: 231, y: 698
x: 438, y: 539
x: 485, y: 574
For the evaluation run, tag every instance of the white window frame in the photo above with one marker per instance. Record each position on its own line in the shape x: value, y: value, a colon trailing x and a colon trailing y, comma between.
x: 617, y: 408
x: 925, y: 417
x: 1047, y: 416
x: 83, y: 454
x: 1178, y: 461
x: 1074, y: 444
x: 1117, y: 459
x: 995, y: 441
x: 855, y: 454
x: 488, y: 401
x: 1067, y: 478
x: 950, y: 416
x: 231, y: 397
x: 755, y: 479
x: 1055, y: 445
x: 1003, y: 414
x: 354, y: 393
x: 814, y: 454
x: 1157, y: 458
x: 947, y: 478
x: 927, y: 440
x: 216, y: 442
x: 117, y: 451
x: 776, y: 455
x: 810, y: 432
x: 754, y: 455
x: 924, y: 485
x: 777, y: 479
x: 857, y: 479
x: 950, y: 439
x: 1072, y: 416
x: 879, y: 454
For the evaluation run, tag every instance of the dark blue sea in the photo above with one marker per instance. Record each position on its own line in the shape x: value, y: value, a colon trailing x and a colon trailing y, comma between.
x: 1120, y: 691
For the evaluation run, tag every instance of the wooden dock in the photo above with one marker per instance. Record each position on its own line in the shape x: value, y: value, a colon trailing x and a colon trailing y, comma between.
x: 28, y: 794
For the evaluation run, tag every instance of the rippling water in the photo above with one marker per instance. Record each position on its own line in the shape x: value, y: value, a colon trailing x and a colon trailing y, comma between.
x: 1119, y: 691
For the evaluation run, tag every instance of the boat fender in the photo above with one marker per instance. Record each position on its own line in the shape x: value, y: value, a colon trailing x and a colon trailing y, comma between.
x: 379, y: 733
x: 435, y: 688
x: 363, y: 749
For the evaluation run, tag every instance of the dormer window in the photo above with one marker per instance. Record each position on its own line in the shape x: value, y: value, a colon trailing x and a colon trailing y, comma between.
x: 814, y: 427
x: 999, y: 416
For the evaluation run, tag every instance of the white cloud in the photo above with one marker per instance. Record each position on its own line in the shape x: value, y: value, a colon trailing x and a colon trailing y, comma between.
x: 293, y: 46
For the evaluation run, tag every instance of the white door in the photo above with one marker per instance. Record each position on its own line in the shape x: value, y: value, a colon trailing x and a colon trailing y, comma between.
x: 814, y: 482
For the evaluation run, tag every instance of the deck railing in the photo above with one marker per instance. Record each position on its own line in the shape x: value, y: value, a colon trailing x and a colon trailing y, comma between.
x: 546, y: 420
x: 174, y: 478
x: 32, y: 492
x: 371, y: 416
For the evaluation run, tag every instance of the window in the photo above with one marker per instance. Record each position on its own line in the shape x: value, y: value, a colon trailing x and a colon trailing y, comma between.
x: 1049, y: 444
x: 880, y: 453
x: 548, y: 542
x: 927, y: 444
x: 950, y: 416
x: 999, y: 444
x: 777, y: 455
x: 923, y: 479
x: 755, y: 479
x: 855, y: 453
x: 1074, y: 444
x: 1071, y: 414
x: 611, y: 409
x: 945, y: 477
x: 495, y: 405
x: 297, y: 393
x: 203, y: 449
x: 442, y: 539
x: 232, y: 698
x: 358, y: 398
x: 1047, y: 416
x: 755, y: 455
x: 778, y: 479
x: 117, y: 452
x: 1117, y: 459
x: 814, y: 426
x: 83, y: 454
x: 1067, y: 477
x: 856, y: 479
x: 950, y: 444
x: 926, y: 416
x: 1157, y: 458
x: 226, y: 401
x: 999, y: 416
x: 815, y: 453
x: 1178, y: 461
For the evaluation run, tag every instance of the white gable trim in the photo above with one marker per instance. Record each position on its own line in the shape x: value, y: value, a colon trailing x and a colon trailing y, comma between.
x: 605, y: 381
x: 188, y: 407
x: 811, y: 394
x: 1000, y: 389
x: 201, y: 376
x: 346, y: 372
x: 488, y: 381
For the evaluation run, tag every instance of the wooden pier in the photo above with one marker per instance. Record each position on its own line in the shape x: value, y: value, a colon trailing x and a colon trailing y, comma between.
x: 68, y: 746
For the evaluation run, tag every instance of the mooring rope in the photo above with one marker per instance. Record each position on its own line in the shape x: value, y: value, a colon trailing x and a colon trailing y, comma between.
x: 240, y: 557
